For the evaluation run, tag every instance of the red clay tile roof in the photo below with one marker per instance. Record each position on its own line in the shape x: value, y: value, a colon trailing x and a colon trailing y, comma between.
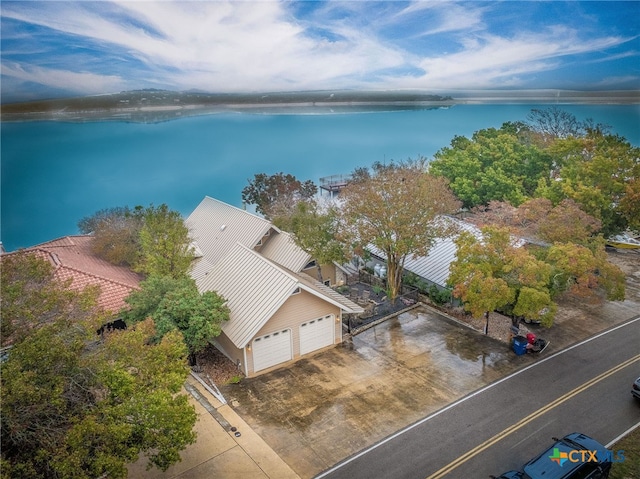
x: 72, y: 257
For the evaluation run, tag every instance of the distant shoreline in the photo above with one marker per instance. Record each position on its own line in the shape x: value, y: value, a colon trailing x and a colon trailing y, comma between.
x: 159, y: 105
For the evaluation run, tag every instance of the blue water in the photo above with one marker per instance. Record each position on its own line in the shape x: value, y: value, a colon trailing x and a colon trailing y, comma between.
x: 55, y: 173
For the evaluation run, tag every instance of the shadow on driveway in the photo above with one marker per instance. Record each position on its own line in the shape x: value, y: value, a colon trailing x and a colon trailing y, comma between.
x: 325, y: 408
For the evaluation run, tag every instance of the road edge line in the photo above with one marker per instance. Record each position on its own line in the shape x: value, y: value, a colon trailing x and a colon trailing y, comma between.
x: 469, y: 396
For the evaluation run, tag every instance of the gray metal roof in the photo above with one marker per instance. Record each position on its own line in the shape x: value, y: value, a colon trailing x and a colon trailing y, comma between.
x: 255, y: 288
x: 216, y: 226
x: 281, y: 249
x: 434, y: 266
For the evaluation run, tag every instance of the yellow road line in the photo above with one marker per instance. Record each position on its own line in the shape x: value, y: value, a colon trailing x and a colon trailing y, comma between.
x: 523, y: 422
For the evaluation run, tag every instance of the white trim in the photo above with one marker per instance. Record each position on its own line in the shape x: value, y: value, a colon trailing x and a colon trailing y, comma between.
x: 245, y: 366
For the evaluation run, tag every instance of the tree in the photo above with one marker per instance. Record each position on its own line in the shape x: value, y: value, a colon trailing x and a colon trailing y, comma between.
x: 276, y: 192
x: 32, y: 298
x: 76, y: 407
x: 315, y: 229
x: 597, y: 172
x: 496, y: 273
x: 538, y: 219
x: 175, y: 304
x: 553, y: 123
x: 116, y: 233
x: 495, y: 164
x: 152, y: 240
x: 536, y: 276
x: 165, y: 243
x: 582, y: 272
x: 630, y: 202
x: 398, y: 210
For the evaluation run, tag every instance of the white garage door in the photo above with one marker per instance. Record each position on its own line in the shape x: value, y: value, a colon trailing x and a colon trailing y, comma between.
x: 316, y: 334
x: 272, y: 349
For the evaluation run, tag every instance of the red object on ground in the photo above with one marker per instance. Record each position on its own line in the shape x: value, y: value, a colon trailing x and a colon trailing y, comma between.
x: 531, y: 338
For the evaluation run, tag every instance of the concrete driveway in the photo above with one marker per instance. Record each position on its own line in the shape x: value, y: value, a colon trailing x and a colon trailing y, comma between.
x: 324, y: 408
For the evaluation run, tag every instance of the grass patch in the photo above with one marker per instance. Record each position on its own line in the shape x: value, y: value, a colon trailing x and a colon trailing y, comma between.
x: 630, y: 468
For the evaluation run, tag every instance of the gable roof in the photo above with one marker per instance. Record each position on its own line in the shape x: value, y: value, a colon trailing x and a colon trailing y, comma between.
x: 255, y: 287
x: 216, y: 227
x: 71, y: 257
x: 282, y: 249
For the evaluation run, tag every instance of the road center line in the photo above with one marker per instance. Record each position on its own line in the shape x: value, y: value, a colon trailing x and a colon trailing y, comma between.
x: 523, y: 422
x: 472, y: 395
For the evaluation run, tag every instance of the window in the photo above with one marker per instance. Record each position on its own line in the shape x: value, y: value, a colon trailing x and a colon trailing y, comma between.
x: 311, y: 264
x: 296, y: 291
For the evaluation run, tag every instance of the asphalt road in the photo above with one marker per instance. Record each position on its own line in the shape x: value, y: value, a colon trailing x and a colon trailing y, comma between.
x: 585, y: 388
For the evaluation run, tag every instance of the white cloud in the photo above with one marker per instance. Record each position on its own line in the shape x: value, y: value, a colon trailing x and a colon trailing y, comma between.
x: 82, y: 82
x: 491, y: 61
x: 447, y: 16
x: 231, y: 45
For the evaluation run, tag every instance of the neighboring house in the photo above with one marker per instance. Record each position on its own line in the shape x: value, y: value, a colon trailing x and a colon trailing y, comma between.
x: 278, y: 312
x: 434, y: 267
x: 71, y: 257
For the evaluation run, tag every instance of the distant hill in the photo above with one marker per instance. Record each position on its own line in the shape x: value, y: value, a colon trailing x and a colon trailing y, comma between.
x: 153, y: 105
x: 140, y: 103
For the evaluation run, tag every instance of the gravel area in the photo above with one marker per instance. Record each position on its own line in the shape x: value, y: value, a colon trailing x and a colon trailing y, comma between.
x: 216, y: 367
x: 499, y: 325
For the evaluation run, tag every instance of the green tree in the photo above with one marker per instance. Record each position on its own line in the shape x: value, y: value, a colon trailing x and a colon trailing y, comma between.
x: 582, y: 272
x: 495, y: 164
x: 629, y: 203
x: 274, y: 193
x: 116, y: 233
x: 32, y: 298
x: 398, y: 211
x: 165, y: 243
x: 496, y: 273
x: 315, y: 229
x: 176, y: 304
x: 76, y: 407
x: 597, y: 172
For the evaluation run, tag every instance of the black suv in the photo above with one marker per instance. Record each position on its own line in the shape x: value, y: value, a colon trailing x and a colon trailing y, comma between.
x: 575, y: 456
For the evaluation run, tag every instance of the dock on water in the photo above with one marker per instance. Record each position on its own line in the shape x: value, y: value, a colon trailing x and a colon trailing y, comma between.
x: 333, y: 184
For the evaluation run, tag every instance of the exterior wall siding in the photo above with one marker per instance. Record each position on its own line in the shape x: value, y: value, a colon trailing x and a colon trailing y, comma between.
x: 226, y: 346
x: 298, y: 309
x: 328, y: 273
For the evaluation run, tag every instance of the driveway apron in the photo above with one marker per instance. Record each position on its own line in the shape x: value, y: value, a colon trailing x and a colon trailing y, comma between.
x: 325, y: 408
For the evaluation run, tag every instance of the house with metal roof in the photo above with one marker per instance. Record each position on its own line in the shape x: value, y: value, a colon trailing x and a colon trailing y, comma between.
x: 434, y: 267
x: 278, y: 312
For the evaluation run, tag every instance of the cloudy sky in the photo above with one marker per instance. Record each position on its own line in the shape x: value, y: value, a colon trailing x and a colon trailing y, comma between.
x: 62, y: 48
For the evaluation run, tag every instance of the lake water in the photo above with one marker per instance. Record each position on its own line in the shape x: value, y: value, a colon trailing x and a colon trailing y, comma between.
x: 55, y: 173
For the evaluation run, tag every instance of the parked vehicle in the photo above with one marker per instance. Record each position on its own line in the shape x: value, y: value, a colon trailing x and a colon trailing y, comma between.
x: 635, y: 388
x: 575, y: 456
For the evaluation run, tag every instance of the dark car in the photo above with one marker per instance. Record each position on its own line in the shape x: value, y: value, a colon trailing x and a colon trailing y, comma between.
x: 635, y: 389
x: 575, y: 456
